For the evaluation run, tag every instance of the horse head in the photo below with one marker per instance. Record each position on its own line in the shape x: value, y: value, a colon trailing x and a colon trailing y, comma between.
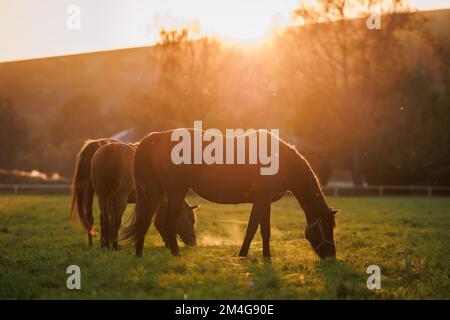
x: 320, y: 234
x: 186, y: 223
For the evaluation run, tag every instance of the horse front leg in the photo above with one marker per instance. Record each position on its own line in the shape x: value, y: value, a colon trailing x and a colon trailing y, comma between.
x: 265, y: 233
x: 159, y: 222
x: 259, y: 209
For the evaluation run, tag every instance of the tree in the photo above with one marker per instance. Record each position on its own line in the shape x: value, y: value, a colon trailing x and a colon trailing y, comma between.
x: 412, y: 134
x: 80, y: 118
x: 342, y: 68
x: 187, y: 79
x: 13, y: 135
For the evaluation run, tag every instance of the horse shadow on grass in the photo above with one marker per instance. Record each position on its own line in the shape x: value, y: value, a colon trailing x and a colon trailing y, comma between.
x: 343, y: 281
x: 262, y: 278
x: 340, y: 279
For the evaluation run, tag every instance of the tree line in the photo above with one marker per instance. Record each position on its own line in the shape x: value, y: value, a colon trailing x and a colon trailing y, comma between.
x: 375, y: 102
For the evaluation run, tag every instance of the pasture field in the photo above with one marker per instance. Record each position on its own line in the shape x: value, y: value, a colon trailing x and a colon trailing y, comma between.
x: 408, y: 238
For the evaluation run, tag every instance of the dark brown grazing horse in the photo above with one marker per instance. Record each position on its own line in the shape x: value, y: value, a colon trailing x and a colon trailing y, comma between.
x: 104, y: 167
x: 157, y: 176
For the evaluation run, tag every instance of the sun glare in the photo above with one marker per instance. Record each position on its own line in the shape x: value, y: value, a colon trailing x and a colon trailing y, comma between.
x: 245, y: 22
x: 112, y: 25
x: 241, y: 22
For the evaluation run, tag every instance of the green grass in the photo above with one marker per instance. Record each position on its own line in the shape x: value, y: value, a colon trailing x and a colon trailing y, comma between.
x: 408, y: 238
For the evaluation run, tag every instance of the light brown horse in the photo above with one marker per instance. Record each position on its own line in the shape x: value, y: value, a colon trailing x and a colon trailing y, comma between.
x: 156, y: 176
x: 104, y: 167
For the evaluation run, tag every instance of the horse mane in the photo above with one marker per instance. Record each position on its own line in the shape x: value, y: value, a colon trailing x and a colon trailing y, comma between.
x: 310, y: 180
x: 134, y: 145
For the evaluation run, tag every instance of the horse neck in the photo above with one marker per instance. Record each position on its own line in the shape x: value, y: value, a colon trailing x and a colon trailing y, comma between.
x: 306, y: 189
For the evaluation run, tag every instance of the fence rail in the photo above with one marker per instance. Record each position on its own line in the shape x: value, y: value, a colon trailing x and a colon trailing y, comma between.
x: 337, y: 191
x: 381, y: 191
x: 35, y: 188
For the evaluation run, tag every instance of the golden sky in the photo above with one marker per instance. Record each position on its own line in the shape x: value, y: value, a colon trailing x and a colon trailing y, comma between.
x: 33, y: 29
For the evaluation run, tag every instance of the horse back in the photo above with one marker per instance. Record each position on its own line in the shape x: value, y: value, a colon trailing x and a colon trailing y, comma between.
x: 220, y: 183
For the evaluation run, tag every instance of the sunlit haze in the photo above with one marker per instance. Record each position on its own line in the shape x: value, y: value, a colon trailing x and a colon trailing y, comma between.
x: 31, y: 29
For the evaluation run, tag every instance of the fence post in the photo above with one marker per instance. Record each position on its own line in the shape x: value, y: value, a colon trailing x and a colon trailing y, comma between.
x: 380, y: 191
x: 430, y: 192
x: 336, y: 192
x: 16, y: 189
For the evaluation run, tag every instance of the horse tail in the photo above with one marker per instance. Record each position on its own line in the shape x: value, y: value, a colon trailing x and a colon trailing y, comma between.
x: 148, y: 194
x: 82, y: 189
x: 111, y: 207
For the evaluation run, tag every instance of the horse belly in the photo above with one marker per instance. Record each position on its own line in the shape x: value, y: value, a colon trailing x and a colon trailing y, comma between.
x: 231, y: 184
x: 223, y: 185
x: 223, y: 196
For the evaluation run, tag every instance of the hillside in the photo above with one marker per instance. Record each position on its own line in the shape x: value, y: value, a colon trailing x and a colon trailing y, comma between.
x: 43, y: 85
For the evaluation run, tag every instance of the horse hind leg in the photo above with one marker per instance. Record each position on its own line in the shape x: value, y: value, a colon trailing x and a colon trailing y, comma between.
x: 117, y: 221
x: 111, y: 227
x: 147, y: 201
x: 103, y: 227
x: 104, y: 221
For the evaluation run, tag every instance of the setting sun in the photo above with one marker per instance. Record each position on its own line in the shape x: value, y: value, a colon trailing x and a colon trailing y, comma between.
x: 242, y: 22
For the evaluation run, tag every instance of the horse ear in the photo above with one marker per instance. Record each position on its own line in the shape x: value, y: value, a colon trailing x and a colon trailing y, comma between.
x: 194, y: 207
x: 333, y: 210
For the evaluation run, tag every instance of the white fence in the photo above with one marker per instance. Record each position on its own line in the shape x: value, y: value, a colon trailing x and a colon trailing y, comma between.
x: 382, y: 191
x: 337, y: 191
x: 35, y: 188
